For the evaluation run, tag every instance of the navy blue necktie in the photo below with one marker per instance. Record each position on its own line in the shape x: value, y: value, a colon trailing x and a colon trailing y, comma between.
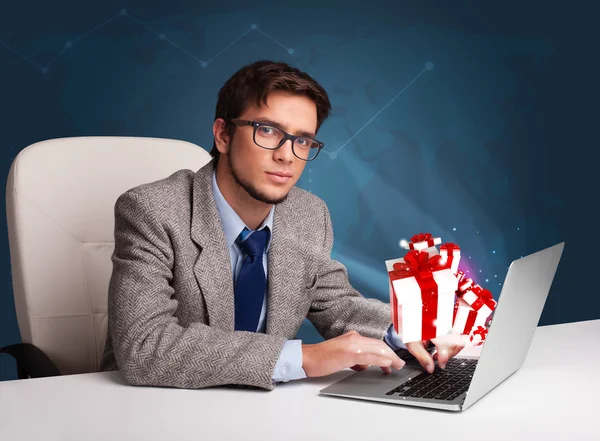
x: 251, y: 282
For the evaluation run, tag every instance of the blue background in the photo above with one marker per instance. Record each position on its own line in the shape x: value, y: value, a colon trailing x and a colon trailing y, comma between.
x: 473, y: 122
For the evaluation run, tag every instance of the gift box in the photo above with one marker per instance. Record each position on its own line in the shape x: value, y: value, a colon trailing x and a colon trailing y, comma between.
x: 473, y: 307
x: 478, y: 335
x: 412, y: 293
x: 421, y: 241
x: 450, y: 253
x: 480, y: 299
x: 422, y: 296
x: 464, y: 317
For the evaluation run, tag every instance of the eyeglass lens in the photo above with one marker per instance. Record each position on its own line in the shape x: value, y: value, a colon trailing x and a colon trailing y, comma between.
x: 270, y: 137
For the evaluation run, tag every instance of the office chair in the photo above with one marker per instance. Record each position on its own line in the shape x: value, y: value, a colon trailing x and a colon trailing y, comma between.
x: 60, y: 198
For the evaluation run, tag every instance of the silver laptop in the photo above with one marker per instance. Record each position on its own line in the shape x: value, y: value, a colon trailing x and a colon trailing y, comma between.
x: 468, y: 378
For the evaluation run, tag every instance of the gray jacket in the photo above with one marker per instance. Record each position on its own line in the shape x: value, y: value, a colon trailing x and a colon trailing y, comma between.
x: 170, y: 300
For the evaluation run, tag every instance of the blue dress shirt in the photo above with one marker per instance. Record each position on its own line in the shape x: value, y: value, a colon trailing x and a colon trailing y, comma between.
x: 289, y: 364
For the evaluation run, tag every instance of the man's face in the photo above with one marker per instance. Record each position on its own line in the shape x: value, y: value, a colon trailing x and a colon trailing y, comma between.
x: 259, y: 171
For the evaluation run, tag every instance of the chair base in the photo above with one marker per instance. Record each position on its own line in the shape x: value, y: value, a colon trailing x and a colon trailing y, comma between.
x: 32, y: 362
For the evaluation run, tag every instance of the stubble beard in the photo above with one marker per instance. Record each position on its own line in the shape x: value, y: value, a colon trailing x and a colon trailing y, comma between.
x: 251, y: 189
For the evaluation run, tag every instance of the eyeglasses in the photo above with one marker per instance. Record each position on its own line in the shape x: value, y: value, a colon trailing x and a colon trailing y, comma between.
x: 271, y: 138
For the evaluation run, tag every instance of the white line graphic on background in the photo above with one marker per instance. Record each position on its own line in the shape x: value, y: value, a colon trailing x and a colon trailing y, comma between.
x: 333, y: 155
x: 123, y: 12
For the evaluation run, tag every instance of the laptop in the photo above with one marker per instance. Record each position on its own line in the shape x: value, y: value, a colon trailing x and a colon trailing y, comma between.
x: 467, y: 378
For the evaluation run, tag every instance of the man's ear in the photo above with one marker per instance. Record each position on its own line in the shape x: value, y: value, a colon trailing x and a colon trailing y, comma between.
x: 221, y: 136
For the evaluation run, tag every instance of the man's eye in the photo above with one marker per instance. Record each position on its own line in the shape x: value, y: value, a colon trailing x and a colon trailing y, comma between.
x: 265, y: 130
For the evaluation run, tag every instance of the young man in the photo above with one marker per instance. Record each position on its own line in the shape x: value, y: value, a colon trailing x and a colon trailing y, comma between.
x: 215, y: 271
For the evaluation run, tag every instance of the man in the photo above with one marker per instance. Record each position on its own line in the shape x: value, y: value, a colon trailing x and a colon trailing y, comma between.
x: 215, y: 271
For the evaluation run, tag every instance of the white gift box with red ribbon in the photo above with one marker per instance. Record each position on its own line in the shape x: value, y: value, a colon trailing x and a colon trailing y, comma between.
x: 473, y: 306
x: 413, y: 301
x: 421, y: 296
x: 450, y: 253
x: 423, y: 241
x: 478, y: 335
x: 481, y: 300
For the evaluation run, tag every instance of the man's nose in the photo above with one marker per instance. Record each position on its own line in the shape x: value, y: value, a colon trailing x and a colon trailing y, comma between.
x: 285, y: 153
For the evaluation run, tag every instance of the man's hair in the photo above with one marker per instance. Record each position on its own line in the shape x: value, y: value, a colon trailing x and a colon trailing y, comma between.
x: 254, y: 82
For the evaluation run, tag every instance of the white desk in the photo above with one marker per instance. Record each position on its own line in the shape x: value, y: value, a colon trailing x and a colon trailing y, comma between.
x: 552, y: 397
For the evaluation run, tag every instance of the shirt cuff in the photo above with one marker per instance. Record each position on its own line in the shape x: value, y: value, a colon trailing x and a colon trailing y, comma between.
x: 289, y: 364
x: 393, y: 340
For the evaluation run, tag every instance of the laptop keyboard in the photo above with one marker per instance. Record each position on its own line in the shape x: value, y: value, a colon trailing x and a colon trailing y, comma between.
x: 442, y: 384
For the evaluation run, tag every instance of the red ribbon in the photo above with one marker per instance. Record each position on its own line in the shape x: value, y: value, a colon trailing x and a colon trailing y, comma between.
x: 481, y: 331
x: 470, y: 321
x: 484, y: 298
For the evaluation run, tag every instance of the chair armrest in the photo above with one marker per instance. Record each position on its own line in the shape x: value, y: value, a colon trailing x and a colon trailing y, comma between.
x: 32, y: 362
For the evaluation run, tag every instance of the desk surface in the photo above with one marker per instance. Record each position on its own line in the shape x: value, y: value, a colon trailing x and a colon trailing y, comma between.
x: 550, y: 398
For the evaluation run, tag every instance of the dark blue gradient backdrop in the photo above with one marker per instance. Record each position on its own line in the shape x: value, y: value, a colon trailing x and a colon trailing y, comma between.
x: 471, y: 121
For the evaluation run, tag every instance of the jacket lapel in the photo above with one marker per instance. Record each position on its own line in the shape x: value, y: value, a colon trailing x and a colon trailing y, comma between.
x: 213, y: 266
x: 280, y: 310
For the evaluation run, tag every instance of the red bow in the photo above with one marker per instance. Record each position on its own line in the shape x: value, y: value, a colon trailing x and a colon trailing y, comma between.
x: 482, y: 293
x: 417, y: 263
x: 480, y: 330
x: 484, y: 297
x: 449, y: 246
x: 420, y: 237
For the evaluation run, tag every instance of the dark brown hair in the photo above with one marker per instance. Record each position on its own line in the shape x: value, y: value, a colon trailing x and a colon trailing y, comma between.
x: 255, y: 81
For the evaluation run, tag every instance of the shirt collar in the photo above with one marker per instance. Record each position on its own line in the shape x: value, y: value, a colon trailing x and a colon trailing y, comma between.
x: 232, y: 223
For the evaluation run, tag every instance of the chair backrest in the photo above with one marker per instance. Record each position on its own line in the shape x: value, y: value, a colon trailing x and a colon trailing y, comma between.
x: 60, y: 199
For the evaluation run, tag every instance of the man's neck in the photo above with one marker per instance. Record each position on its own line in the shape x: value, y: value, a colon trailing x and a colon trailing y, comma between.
x: 251, y: 211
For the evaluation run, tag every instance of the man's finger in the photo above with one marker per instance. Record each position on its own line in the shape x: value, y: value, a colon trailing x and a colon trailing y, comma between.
x: 443, y: 354
x: 456, y: 349
x: 380, y: 348
x: 447, y: 346
x: 359, y: 367
x: 386, y: 351
x: 369, y: 359
x: 417, y: 349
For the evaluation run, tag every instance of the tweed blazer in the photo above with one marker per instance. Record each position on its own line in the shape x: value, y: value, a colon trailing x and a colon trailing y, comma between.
x: 171, y: 297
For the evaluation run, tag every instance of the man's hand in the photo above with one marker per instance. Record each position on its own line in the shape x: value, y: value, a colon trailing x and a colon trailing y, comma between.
x: 447, y: 346
x: 350, y: 350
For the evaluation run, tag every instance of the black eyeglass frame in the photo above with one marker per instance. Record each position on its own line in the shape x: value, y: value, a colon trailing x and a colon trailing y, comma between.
x: 286, y: 136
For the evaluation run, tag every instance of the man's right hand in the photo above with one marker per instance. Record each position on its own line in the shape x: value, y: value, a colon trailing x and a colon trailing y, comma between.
x: 447, y: 346
x: 350, y: 350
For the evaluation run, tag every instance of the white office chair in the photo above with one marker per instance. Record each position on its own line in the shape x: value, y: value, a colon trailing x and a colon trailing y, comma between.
x: 60, y: 199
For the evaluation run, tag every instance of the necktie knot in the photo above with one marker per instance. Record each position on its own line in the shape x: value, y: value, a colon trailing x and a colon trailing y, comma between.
x: 253, y: 243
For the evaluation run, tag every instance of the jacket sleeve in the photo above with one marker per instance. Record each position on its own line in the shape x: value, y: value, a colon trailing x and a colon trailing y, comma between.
x: 150, y: 346
x: 337, y: 307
